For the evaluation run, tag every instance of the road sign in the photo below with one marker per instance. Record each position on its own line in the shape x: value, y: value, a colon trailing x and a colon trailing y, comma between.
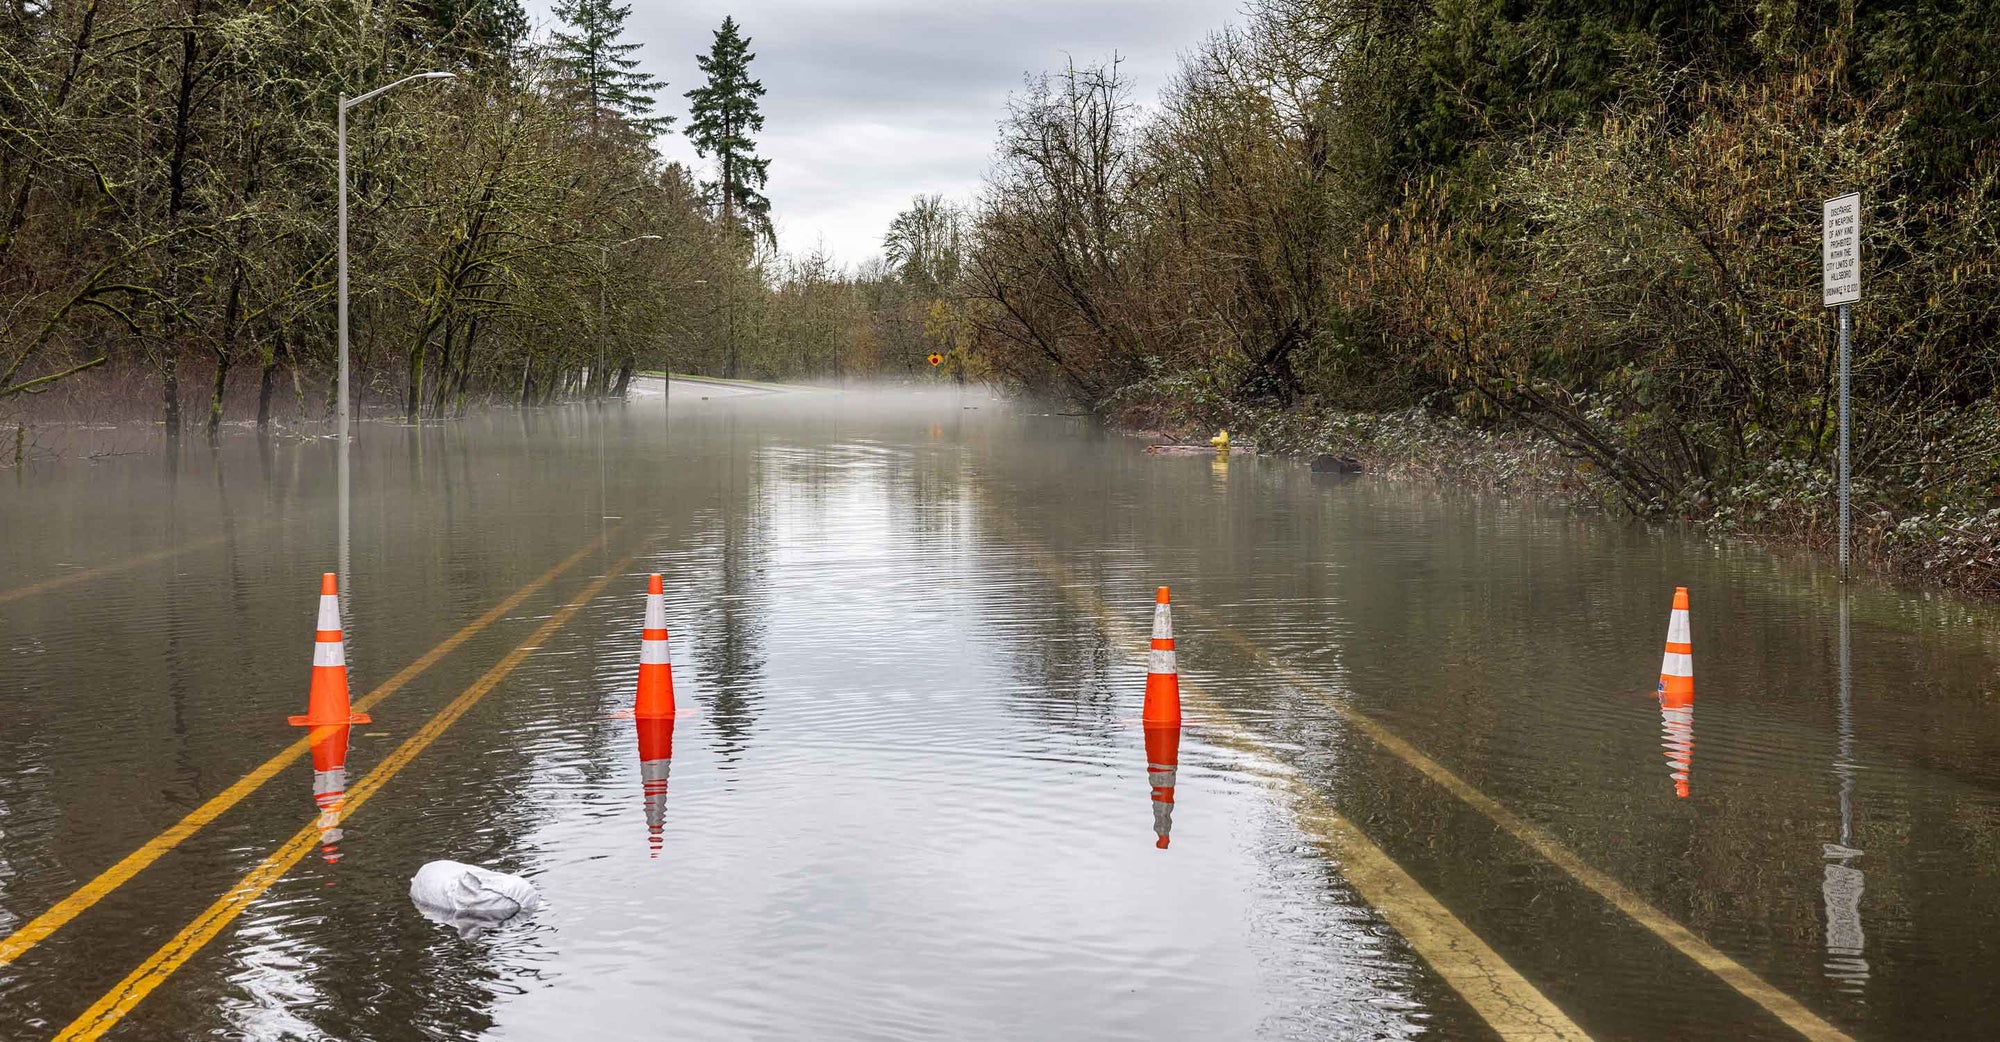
x: 1840, y: 250
x: 1840, y: 285
x: 935, y: 359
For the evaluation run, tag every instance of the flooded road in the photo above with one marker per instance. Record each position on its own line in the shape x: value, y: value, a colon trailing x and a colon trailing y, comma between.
x: 1426, y: 786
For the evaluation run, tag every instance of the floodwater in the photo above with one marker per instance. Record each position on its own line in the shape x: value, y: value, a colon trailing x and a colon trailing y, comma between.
x: 908, y: 795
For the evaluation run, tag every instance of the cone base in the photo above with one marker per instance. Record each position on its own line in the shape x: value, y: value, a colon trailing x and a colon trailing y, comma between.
x: 351, y: 718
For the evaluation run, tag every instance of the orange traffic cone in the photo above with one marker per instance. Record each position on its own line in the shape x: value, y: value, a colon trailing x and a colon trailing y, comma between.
x: 1163, y: 758
x: 1677, y: 695
x: 656, y: 664
x: 656, y: 760
x: 1163, y: 681
x: 327, y: 705
x: 1677, y: 668
x: 329, y: 752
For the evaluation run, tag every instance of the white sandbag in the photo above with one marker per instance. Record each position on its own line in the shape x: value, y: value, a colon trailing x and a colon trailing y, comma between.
x: 470, y: 899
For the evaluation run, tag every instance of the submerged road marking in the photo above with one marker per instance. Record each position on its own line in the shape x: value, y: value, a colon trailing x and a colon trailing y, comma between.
x: 38, y: 929
x: 107, y: 1011
x: 1495, y: 990
x: 1738, y: 976
x: 1745, y: 981
x: 60, y: 581
x: 1514, y: 1008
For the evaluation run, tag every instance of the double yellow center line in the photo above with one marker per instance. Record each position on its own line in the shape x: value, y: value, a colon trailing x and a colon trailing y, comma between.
x: 107, y: 1011
x: 14, y: 945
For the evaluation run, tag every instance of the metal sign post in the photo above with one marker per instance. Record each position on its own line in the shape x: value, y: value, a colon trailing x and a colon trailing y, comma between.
x: 1840, y: 286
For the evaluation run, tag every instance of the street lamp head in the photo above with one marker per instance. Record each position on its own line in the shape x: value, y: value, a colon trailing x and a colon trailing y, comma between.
x: 606, y: 247
x: 348, y: 103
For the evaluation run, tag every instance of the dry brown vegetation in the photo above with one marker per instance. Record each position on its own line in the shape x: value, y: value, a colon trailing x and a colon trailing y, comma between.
x: 1594, y: 226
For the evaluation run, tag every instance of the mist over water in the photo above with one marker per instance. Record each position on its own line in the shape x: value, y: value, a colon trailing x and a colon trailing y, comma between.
x: 907, y: 794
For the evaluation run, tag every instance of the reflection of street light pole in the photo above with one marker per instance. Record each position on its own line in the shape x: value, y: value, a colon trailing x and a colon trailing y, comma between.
x: 341, y: 262
x: 603, y: 276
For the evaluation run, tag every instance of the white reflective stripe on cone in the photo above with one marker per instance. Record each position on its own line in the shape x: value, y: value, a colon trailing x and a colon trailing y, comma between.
x: 329, y: 611
x: 1160, y: 662
x: 655, y: 653
x: 656, y: 611
x: 1160, y: 777
x: 329, y: 653
x: 1163, y: 622
x: 1677, y: 627
x: 1677, y: 664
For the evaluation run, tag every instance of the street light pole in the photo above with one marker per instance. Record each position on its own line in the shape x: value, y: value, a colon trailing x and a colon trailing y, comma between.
x: 341, y: 264
x: 345, y: 104
x: 342, y: 396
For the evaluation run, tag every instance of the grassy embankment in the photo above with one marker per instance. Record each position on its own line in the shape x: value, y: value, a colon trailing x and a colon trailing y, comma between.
x: 1953, y: 543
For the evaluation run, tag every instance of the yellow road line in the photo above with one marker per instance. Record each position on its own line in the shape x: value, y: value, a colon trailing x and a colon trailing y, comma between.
x: 39, y: 928
x: 1745, y: 981
x: 107, y: 1011
x: 1686, y: 941
x: 102, y: 570
x: 1515, y: 1009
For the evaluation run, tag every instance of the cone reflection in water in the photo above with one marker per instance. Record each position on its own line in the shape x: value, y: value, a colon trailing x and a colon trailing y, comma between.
x: 656, y: 759
x: 655, y: 698
x: 1163, y: 759
x: 326, y: 703
x: 1163, y: 681
x: 329, y: 753
x: 1676, y: 693
x: 1677, y: 738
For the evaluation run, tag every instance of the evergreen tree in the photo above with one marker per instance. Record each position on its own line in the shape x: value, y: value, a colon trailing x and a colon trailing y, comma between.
x: 721, y: 119
x: 474, y: 31
x: 596, y: 60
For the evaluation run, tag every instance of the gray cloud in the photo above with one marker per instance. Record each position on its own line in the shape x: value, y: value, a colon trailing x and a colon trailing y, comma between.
x: 870, y: 102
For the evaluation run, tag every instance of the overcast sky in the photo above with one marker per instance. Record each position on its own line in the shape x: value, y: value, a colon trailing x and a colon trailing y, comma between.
x: 869, y: 102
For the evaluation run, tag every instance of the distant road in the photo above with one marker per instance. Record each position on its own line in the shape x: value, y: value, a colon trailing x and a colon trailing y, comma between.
x: 650, y: 385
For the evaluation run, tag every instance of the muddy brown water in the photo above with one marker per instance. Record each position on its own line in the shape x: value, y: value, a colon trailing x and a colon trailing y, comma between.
x: 908, y: 792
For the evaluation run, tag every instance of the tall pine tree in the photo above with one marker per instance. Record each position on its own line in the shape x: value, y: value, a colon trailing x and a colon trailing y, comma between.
x: 476, y: 31
x: 595, y: 59
x: 722, y: 116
